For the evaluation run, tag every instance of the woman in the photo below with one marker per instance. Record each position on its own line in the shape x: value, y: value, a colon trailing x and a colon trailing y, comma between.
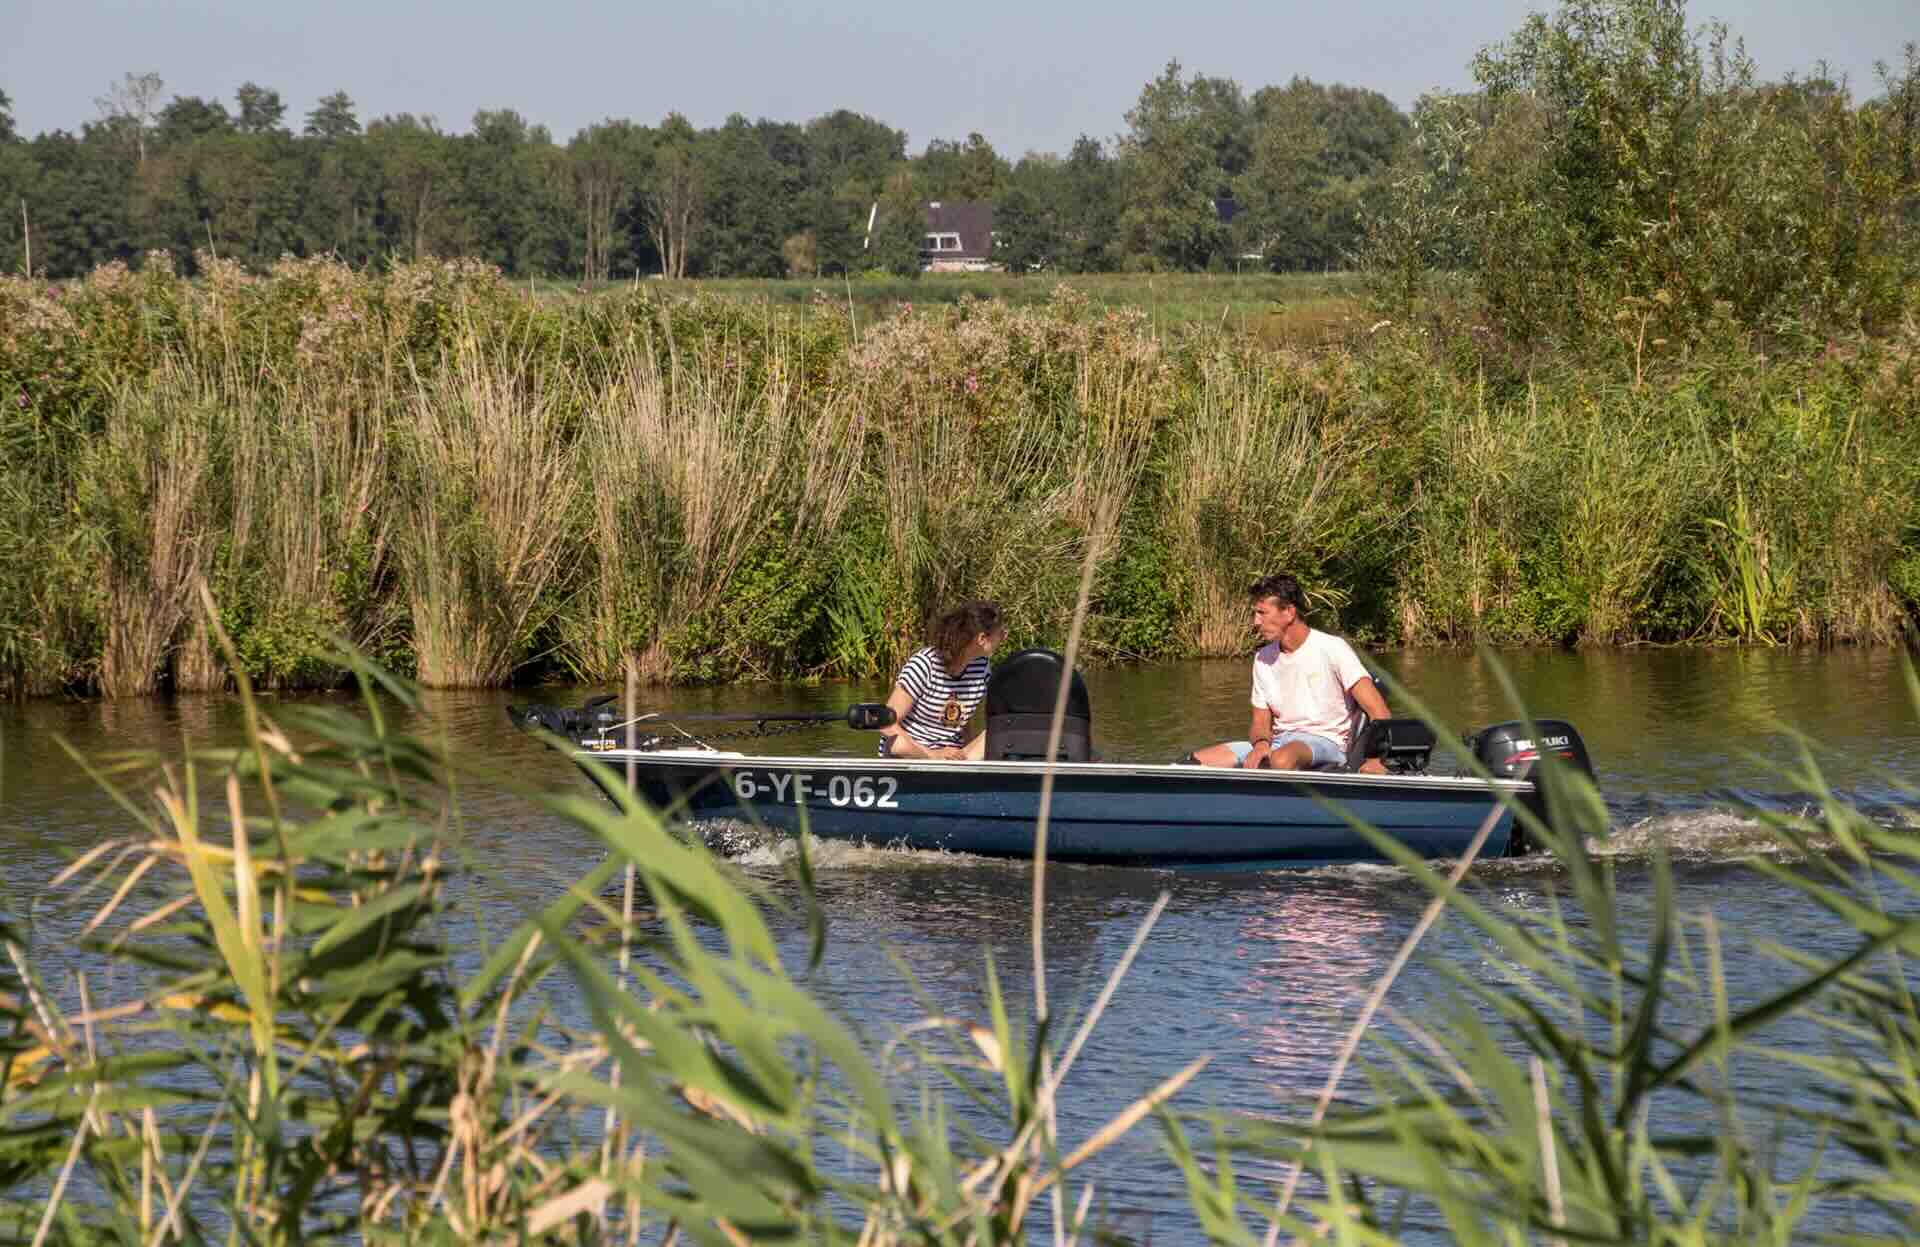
x: 939, y: 688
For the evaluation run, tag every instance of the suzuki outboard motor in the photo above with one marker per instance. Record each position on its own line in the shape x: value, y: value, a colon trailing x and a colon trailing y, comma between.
x: 1513, y: 751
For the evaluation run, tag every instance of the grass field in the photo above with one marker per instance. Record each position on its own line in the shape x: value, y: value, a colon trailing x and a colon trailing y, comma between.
x: 1310, y: 309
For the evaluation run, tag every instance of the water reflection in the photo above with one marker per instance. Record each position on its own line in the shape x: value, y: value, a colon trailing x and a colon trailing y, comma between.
x: 1263, y: 972
x: 1306, y: 954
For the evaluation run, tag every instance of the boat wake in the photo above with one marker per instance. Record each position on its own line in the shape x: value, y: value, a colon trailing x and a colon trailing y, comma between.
x: 760, y: 848
x: 1700, y: 836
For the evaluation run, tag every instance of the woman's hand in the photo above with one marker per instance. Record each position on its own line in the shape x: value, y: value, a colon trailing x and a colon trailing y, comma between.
x: 948, y: 753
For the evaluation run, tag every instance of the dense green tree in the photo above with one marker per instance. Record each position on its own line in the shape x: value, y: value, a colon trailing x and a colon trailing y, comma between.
x: 333, y: 118
x: 505, y: 217
x: 188, y: 117
x: 1027, y: 232
x: 849, y: 158
x: 899, y: 225
x: 260, y: 110
x: 246, y: 188
x: 675, y: 193
x: 970, y: 170
x: 1623, y: 181
x: 1283, y: 195
x: 750, y: 198
x: 16, y: 173
x: 1088, y: 208
x: 608, y: 163
x: 77, y: 201
x: 340, y: 193
x: 1318, y: 156
x: 417, y: 184
x: 1180, y: 134
x: 1898, y: 110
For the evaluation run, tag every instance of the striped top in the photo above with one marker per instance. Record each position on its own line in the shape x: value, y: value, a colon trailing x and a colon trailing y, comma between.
x: 942, y: 703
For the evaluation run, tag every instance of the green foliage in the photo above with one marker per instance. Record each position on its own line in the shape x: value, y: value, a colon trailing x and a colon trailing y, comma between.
x: 479, y: 486
x: 303, y: 1062
x: 1623, y: 184
x: 1185, y: 144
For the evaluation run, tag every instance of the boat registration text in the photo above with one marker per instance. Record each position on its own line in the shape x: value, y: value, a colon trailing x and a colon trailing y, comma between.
x: 800, y: 787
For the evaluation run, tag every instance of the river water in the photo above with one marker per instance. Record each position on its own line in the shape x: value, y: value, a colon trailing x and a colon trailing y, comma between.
x: 1263, y: 971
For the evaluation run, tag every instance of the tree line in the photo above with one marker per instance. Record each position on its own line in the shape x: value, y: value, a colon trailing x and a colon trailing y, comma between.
x: 1613, y: 171
x: 747, y: 198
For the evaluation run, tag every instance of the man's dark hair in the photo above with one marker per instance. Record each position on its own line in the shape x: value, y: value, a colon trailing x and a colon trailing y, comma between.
x: 1282, y: 588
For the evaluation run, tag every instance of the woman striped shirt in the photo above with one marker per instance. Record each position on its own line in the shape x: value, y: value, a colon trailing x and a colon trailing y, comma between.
x: 942, y: 703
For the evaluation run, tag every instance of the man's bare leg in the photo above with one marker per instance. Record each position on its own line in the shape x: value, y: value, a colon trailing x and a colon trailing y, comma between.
x: 1215, y: 755
x: 1295, y: 755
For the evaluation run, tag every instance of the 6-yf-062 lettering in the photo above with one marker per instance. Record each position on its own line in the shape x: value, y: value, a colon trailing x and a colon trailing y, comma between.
x: 798, y: 787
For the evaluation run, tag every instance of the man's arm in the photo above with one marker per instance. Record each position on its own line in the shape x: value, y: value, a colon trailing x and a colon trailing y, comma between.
x: 1367, y: 695
x: 1260, y: 736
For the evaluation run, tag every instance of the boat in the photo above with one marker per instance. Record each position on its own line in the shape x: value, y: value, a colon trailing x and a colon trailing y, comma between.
x: 1170, y: 815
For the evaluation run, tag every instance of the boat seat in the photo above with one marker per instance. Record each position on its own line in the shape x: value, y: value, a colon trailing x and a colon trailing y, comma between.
x: 1020, y: 698
x: 1404, y: 746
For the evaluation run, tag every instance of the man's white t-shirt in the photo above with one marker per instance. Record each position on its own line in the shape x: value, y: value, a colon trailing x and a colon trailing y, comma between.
x: 1307, y: 689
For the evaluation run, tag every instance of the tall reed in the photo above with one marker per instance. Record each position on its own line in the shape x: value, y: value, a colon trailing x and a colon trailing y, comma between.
x: 486, y: 529
x: 1260, y: 479
x: 693, y: 465
x: 398, y: 459
x: 143, y: 493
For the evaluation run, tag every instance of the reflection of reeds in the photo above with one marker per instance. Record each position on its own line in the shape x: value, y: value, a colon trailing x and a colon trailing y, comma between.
x: 492, y: 485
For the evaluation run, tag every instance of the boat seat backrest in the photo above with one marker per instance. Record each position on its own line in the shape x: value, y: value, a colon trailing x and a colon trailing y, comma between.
x: 1019, y: 709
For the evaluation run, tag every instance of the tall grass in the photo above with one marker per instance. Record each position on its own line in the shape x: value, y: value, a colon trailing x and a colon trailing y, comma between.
x: 489, y: 516
x: 1260, y: 477
x: 694, y: 464
x: 144, y: 489
x: 486, y: 487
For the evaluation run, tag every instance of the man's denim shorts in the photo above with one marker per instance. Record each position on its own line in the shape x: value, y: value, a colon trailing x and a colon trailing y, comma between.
x: 1326, y: 751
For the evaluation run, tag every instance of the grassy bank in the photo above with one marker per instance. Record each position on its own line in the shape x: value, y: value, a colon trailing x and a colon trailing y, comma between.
x: 1278, y: 308
x: 478, y: 485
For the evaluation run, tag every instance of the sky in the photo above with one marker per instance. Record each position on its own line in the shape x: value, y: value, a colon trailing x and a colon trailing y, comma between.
x: 1030, y: 75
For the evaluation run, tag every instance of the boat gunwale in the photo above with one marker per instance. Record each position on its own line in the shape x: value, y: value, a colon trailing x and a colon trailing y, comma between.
x: 721, y: 760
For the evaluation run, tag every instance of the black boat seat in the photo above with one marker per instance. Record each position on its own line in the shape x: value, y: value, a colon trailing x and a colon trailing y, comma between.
x: 1020, y: 698
x: 1404, y: 746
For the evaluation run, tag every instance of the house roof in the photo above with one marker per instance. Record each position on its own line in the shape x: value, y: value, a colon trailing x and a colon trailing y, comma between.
x: 972, y: 219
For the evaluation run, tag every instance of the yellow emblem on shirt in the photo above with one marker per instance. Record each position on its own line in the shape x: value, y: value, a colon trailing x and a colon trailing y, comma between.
x: 951, y: 715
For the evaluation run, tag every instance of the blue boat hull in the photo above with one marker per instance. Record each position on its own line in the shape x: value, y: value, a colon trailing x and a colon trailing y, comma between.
x: 1104, y: 813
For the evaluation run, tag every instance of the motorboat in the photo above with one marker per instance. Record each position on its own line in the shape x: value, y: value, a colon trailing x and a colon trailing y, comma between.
x: 1174, y: 814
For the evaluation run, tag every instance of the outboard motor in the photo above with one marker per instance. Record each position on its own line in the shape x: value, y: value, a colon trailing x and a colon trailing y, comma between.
x: 596, y: 718
x: 1020, y: 698
x: 1514, y: 751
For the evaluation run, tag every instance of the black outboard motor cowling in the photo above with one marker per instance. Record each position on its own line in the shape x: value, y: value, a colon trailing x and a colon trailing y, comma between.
x: 1514, y: 751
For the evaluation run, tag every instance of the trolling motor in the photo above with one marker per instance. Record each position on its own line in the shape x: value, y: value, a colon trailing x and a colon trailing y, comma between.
x: 597, y: 723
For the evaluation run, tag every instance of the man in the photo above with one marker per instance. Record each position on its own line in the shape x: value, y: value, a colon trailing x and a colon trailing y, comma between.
x: 1306, y: 684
